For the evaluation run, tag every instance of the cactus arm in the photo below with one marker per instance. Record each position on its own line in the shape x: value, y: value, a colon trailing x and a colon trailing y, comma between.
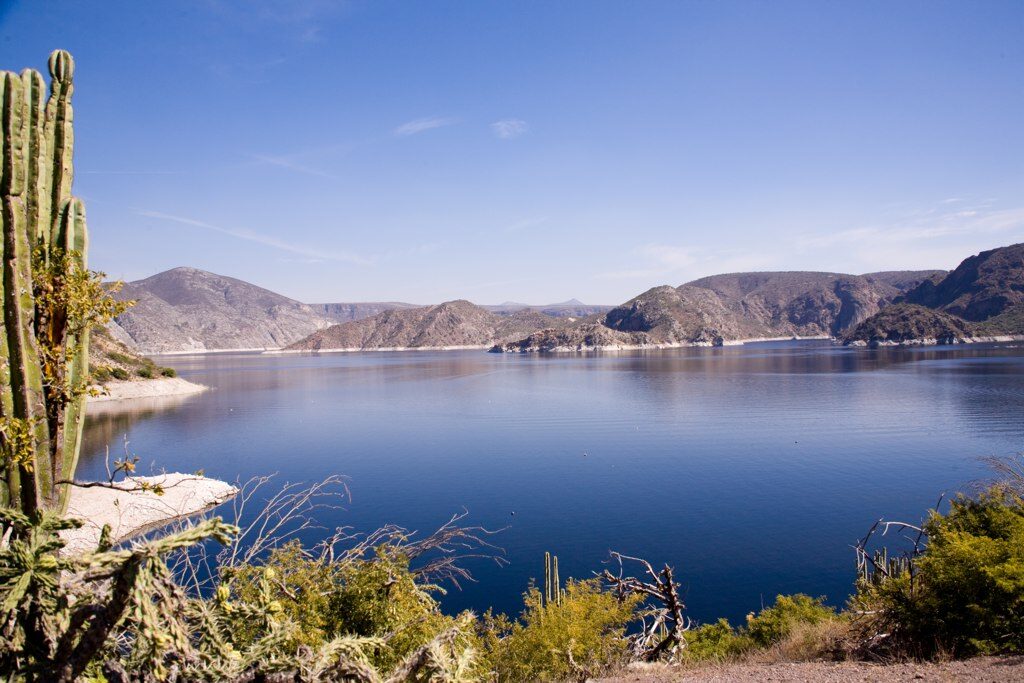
x: 60, y: 137
x: 9, y: 493
x: 27, y: 398
x: 73, y: 239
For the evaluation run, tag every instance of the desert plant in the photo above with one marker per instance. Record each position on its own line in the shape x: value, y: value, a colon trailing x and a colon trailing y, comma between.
x: 715, y: 642
x: 50, y: 298
x: 960, y: 591
x: 774, y: 623
x: 579, y: 637
x: 168, y: 372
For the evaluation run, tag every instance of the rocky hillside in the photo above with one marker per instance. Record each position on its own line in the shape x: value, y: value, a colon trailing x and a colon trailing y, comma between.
x: 451, y: 324
x: 574, y: 308
x: 905, y: 323
x: 987, y: 288
x: 110, y: 359
x: 186, y: 309
x: 344, y: 312
x: 722, y: 308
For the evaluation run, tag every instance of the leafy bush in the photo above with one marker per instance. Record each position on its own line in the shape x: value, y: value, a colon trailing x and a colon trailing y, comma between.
x: 375, y: 597
x: 168, y: 372
x: 964, y: 594
x: 579, y: 637
x: 145, y: 372
x: 715, y: 642
x: 119, y: 373
x: 101, y: 374
x: 778, y: 621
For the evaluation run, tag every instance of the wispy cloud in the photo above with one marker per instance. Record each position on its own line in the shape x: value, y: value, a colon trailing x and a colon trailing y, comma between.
x: 286, y: 163
x: 423, y: 125
x: 507, y: 129
x: 266, y: 240
x: 924, y: 225
x: 656, y: 260
x: 130, y: 172
x: 673, y: 264
x: 526, y: 224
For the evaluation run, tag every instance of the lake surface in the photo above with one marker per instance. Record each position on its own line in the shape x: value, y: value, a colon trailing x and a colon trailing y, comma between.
x: 750, y: 469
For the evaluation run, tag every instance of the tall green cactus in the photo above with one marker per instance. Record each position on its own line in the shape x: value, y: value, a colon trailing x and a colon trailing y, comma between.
x: 50, y: 299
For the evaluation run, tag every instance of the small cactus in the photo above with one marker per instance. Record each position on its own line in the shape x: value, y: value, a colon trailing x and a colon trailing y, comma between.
x: 553, y: 591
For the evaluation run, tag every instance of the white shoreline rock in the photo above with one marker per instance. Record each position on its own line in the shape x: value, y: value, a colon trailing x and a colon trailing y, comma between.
x: 130, y: 511
x: 160, y: 386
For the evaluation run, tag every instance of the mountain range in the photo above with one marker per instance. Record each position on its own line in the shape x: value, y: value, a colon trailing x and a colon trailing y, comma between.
x: 185, y: 310
x: 189, y: 310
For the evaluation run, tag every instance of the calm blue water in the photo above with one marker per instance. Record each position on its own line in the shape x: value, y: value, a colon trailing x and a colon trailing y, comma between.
x: 750, y: 469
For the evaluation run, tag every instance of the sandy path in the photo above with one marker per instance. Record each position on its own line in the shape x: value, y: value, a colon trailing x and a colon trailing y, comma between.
x: 979, y: 669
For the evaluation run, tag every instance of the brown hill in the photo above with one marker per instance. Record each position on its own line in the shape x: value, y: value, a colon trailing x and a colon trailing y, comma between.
x: 451, y: 324
x: 186, y: 309
x: 981, y: 288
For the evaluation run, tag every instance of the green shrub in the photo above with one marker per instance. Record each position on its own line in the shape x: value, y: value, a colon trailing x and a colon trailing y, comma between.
x: 965, y: 595
x: 101, y: 374
x: 789, y: 611
x: 122, y: 358
x: 715, y: 642
x: 582, y: 636
x: 372, y: 597
x: 119, y: 373
x: 145, y: 372
x: 168, y: 372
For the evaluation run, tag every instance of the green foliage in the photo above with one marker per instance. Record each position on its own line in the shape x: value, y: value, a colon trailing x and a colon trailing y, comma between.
x: 578, y: 637
x: 776, y: 622
x: 168, y: 372
x: 375, y: 597
x: 145, y: 373
x: 715, y: 642
x: 964, y: 594
x: 119, y: 373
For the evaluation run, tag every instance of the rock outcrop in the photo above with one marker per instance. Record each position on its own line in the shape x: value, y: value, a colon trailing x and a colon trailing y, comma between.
x: 906, y: 324
x: 987, y: 288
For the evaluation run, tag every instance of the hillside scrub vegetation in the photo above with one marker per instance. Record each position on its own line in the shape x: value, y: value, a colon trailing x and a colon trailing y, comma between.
x: 365, y: 607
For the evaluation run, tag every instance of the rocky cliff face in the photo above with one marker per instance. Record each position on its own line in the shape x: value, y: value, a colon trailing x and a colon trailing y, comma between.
x: 451, y: 324
x: 988, y: 287
x: 905, y: 323
x: 186, y: 309
x: 722, y: 308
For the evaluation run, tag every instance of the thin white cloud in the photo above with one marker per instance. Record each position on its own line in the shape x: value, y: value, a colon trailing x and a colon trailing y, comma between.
x: 284, y: 162
x: 423, y: 125
x: 507, y: 129
x: 526, y: 224
x: 923, y: 226
x: 266, y: 240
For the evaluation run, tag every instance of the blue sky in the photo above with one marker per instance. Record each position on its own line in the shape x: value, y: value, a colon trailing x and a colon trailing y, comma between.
x: 535, y: 151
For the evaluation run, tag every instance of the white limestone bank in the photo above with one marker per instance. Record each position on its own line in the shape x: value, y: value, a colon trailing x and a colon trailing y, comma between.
x: 146, y: 388
x: 130, y: 510
x: 934, y: 341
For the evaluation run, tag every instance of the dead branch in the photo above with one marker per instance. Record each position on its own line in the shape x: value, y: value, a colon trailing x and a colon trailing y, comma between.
x: 663, y: 623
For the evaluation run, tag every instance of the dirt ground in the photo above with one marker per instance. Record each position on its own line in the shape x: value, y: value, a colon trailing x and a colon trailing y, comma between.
x: 980, y: 669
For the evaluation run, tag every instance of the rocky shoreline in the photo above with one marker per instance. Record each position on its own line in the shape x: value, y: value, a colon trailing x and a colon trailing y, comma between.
x: 118, y: 390
x: 933, y: 341
x: 131, y: 506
